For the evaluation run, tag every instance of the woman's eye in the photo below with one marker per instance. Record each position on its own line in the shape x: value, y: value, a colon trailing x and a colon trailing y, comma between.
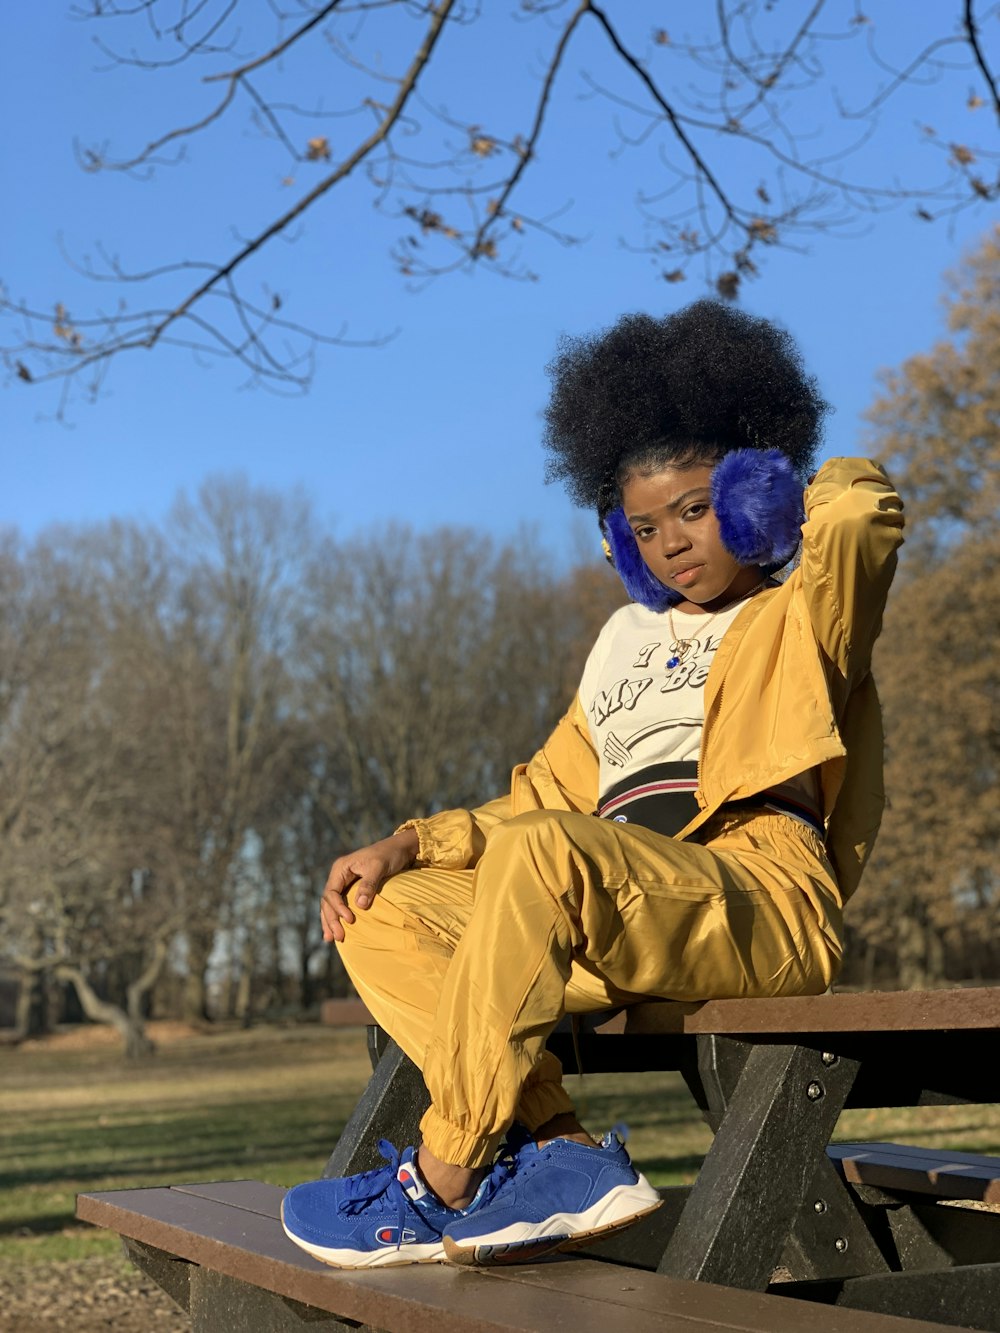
x: 642, y: 534
x: 695, y: 511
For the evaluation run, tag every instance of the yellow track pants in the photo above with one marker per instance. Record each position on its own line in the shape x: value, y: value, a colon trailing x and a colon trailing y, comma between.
x: 470, y: 970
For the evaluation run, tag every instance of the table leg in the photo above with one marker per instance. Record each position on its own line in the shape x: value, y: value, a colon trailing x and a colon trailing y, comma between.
x: 775, y: 1107
x: 390, y: 1107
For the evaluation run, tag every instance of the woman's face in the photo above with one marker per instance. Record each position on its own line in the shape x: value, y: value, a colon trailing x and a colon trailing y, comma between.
x: 670, y: 514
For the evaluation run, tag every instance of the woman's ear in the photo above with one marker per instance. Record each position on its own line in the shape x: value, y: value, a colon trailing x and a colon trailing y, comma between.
x: 640, y: 583
x: 757, y: 499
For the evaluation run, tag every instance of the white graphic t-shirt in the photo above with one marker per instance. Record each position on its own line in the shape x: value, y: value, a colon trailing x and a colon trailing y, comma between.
x: 642, y: 712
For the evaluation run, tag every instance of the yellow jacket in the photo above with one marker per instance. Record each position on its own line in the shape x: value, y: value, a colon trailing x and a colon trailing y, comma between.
x: 790, y: 688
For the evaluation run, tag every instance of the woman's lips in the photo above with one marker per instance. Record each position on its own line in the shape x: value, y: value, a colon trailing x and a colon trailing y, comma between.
x: 686, y: 576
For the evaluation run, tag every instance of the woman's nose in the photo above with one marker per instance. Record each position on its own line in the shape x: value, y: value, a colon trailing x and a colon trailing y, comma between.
x: 673, y: 539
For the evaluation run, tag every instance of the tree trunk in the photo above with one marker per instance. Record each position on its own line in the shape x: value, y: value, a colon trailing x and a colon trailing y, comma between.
x: 195, y: 989
x: 934, y: 969
x: 911, y: 962
x: 136, y: 1045
x: 137, y: 991
x: 32, y: 1018
x: 244, y: 986
x: 305, y: 978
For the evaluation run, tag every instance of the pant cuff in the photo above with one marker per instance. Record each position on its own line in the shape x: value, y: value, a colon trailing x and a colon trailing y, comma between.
x: 539, y: 1102
x: 459, y: 1147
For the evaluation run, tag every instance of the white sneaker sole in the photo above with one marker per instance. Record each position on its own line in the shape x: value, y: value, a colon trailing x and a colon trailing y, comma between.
x: 390, y: 1257
x: 524, y: 1241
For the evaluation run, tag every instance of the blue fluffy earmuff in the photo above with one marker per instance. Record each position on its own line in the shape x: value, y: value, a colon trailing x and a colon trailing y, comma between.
x: 640, y: 583
x: 757, y: 499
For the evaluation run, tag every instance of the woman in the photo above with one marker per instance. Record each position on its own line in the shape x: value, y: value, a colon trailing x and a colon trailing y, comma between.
x: 727, y: 736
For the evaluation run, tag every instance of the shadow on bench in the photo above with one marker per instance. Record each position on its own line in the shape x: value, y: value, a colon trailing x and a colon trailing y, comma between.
x: 219, y: 1251
x: 775, y: 1209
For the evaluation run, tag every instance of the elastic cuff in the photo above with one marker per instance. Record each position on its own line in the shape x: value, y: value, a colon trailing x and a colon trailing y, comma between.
x: 424, y: 854
x: 444, y: 840
x: 457, y: 1147
x: 539, y: 1102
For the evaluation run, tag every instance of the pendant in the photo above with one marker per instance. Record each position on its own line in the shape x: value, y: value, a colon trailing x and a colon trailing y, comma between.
x: 679, y: 649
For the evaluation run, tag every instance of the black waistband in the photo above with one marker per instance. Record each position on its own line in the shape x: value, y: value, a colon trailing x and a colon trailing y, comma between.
x: 660, y: 798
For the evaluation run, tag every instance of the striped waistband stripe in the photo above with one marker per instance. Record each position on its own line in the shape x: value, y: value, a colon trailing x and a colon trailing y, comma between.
x: 667, y: 787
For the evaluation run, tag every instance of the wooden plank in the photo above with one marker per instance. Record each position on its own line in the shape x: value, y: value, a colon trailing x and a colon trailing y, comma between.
x: 869, y: 1011
x: 876, y: 1011
x: 577, y: 1295
x: 897, y: 1166
x: 703, y: 1304
x: 251, y: 1195
x: 245, y: 1245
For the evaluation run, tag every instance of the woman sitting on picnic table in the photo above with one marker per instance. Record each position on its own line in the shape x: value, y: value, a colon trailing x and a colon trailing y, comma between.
x: 690, y: 830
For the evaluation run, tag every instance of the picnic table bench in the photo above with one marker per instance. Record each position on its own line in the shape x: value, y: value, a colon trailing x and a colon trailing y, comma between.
x: 777, y: 1221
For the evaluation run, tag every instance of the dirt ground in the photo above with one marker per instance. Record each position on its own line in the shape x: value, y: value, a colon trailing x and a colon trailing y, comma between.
x: 85, y: 1296
x: 94, y: 1037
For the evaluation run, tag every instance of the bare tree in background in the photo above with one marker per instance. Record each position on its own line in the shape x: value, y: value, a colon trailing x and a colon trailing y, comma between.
x: 427, y: 666
x: 80, y: 899
x: 27, y: 637
x: 462, y: 181
x: 194, y: 721
x: 222, y: 736
x: 931, y: 899
x: 392, y: 650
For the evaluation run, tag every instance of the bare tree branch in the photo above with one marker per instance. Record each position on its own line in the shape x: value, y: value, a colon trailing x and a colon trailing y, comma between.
x: 699, y: 163
x: 740, y: 80
x: 439, y: 17
x: 235, y: 78
x: 275, y: 52
x: 969, y: 22
x: 479, y: 244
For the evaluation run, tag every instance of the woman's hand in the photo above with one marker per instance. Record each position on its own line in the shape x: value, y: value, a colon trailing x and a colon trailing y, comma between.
x: 364, y: 871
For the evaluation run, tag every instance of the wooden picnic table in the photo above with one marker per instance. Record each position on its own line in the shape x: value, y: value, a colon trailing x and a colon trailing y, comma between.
x: 776, y: 1222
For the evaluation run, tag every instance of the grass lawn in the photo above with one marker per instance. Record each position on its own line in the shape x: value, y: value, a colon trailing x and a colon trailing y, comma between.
x: 268, y: 1104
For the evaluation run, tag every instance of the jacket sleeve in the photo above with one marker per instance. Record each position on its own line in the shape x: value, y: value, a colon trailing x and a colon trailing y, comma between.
x: 853, y: 529
x: 562, y: 775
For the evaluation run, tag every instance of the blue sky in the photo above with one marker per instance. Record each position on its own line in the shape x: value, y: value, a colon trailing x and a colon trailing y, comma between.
x: 441, y: 425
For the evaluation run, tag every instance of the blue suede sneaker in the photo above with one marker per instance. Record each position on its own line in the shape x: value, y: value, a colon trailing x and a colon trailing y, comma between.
x: 558, y: 1197
x: 381, y: 1217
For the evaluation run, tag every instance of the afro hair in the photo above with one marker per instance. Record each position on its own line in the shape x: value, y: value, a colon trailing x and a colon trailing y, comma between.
x: 690, y: 387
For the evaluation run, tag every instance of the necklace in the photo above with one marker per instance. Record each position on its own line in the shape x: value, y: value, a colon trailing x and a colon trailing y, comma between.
x: 680, y: 648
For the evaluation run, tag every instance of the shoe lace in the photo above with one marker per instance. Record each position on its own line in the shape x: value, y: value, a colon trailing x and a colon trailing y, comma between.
x: 382, y: 1183
x: 368, y: 1186
x: 505, y: 1164
x: 516, y: 1138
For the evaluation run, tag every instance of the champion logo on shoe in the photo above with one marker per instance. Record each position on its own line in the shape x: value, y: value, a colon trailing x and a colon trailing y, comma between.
x: 395, y: 1236
x: 410, y: 1181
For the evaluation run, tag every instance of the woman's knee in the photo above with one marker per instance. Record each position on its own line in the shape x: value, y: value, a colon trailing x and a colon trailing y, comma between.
x: 535, y: 829
x: 389, y: 908
x: 542, y: 852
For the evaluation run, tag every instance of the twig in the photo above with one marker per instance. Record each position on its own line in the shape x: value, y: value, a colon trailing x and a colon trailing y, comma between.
x: 439, y: 18
x: 528, y: 149
x: 969, y: 23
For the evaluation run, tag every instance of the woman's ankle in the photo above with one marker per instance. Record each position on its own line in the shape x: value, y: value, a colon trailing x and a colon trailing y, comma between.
x: 564, y: 1126
x: 454, y: 1186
